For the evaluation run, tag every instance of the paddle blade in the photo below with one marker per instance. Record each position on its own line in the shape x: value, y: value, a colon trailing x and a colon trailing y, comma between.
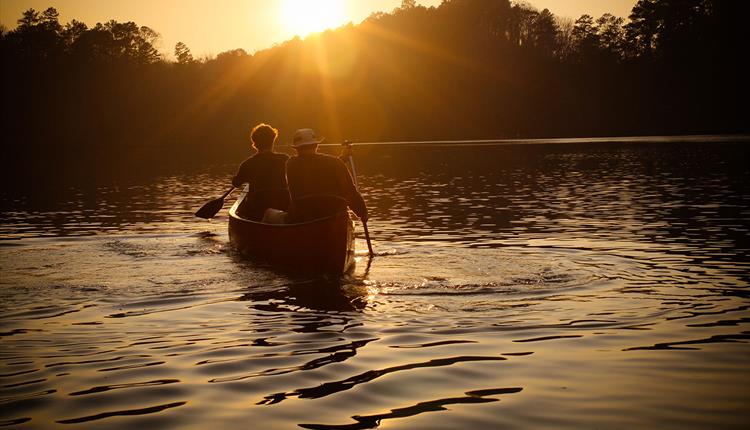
x: 210, y: 209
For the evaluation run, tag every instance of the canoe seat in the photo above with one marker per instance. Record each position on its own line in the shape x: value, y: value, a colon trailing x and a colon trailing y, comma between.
x: 274, y: 216
x: 257, y: 201
x: 315, y: 206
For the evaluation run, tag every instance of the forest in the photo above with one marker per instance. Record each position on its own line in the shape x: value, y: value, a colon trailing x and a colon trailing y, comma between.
x: 468, y: 69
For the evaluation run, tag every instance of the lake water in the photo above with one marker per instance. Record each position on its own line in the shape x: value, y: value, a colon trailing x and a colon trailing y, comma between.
x: 574, y: 285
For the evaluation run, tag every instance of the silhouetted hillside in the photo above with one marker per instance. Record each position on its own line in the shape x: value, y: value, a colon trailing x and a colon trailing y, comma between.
x: 467, y: 69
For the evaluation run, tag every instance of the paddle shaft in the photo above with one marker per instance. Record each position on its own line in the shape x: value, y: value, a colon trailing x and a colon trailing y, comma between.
x: 367, y: 236
x: 364, y: 223
x: 227, y: 193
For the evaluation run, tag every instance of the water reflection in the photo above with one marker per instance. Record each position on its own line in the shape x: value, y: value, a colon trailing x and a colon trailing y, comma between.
x: 550, y: 269
x: 127, y: 412
x: 333, y: 294
x: 372, y: 421
x: 334, y: 387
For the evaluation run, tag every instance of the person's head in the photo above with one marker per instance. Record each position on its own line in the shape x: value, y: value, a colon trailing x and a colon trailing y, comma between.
x: 305, y: 141
x: 263, y: 136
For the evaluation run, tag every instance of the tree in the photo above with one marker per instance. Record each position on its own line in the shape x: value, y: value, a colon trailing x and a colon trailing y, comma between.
x: 29, y: 18
x: 611, y: 34
x: 669, y: 27
x: 38, y: 35
x: 408, y: 4
x: 565, y: 41
x: 545, y: 33
x: 72, y: 31
x: 521, y: 25
x: 232, y: 54
x: 145, y: 50
x: 182, y: 53
x: 585, y: 35
x: 49, y: 20
x: 117, y: 41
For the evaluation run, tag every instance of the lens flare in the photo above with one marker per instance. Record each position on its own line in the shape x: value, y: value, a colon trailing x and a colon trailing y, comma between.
x: 302, y: 17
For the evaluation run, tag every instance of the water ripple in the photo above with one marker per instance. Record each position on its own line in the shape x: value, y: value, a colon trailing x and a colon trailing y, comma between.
x: 102, y: 388
x: 329, y: 388
x: 141, y: 411
x: 676, y: 345
x: 551, y: 268
x: 372, y: 421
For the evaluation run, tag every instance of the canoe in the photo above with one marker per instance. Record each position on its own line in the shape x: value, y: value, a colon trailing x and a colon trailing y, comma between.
x: 321, y: 246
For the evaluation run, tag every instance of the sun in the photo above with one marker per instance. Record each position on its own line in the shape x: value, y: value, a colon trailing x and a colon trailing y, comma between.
x: 302, y: 17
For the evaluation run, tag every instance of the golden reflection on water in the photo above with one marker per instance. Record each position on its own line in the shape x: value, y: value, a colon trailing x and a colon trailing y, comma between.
x: 500, y: 296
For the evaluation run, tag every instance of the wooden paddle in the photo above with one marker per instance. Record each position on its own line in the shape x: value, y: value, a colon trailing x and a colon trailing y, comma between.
x: 354, y: 176
x: 210, y: 209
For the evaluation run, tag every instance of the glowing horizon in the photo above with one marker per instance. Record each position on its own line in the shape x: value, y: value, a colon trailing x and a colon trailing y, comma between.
x: 209, y: 29
x: 303, y: 17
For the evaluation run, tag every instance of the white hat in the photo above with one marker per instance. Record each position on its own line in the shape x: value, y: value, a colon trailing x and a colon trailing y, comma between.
x: 305, y: 136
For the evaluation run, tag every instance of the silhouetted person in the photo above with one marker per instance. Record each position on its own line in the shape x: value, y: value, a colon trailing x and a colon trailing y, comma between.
x: 266, y: 173
x: 320, y: 185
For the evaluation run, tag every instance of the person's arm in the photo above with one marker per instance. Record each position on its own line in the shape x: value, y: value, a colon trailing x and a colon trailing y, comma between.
x: 292, y: 180
x: 346, y: 152
x: 353, y: 197
x: 241, y: 176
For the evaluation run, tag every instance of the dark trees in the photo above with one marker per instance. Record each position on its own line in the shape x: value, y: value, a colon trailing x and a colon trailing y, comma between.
x: 182, y: 54
x: 466, y: 69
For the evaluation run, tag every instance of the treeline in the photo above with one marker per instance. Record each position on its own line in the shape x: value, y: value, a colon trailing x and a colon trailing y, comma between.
x: 466, y: 69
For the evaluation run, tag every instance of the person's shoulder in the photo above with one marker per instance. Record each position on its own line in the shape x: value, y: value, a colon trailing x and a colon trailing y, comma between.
x: 291, y: 161
x: 247, y: 161
x: 266, y: 156
x: 327, y: 158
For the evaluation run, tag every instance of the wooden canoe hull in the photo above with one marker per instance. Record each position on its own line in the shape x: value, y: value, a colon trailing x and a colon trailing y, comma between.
x: 324, y: 246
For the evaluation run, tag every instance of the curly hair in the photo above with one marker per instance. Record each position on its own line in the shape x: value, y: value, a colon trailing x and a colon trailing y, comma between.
x: 263, y: 136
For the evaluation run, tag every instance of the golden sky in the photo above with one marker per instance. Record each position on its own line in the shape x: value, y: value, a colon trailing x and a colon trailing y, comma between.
x: 209, y: 27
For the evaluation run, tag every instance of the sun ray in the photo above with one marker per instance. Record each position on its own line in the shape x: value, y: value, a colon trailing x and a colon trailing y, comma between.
x: 302, y: 17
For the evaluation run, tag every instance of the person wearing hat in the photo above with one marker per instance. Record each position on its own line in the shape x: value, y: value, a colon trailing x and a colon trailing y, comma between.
x: 266, y: 173
x: 319, y: 184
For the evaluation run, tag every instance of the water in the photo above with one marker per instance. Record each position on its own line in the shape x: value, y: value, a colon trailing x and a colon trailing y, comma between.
x: 578, y: 285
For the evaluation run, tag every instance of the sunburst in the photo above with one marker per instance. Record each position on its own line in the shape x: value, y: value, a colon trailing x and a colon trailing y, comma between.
x: 302, y: 17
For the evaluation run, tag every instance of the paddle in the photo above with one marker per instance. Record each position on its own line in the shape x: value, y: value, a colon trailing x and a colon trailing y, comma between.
x: 354, y: 176
x: 210, y: 209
